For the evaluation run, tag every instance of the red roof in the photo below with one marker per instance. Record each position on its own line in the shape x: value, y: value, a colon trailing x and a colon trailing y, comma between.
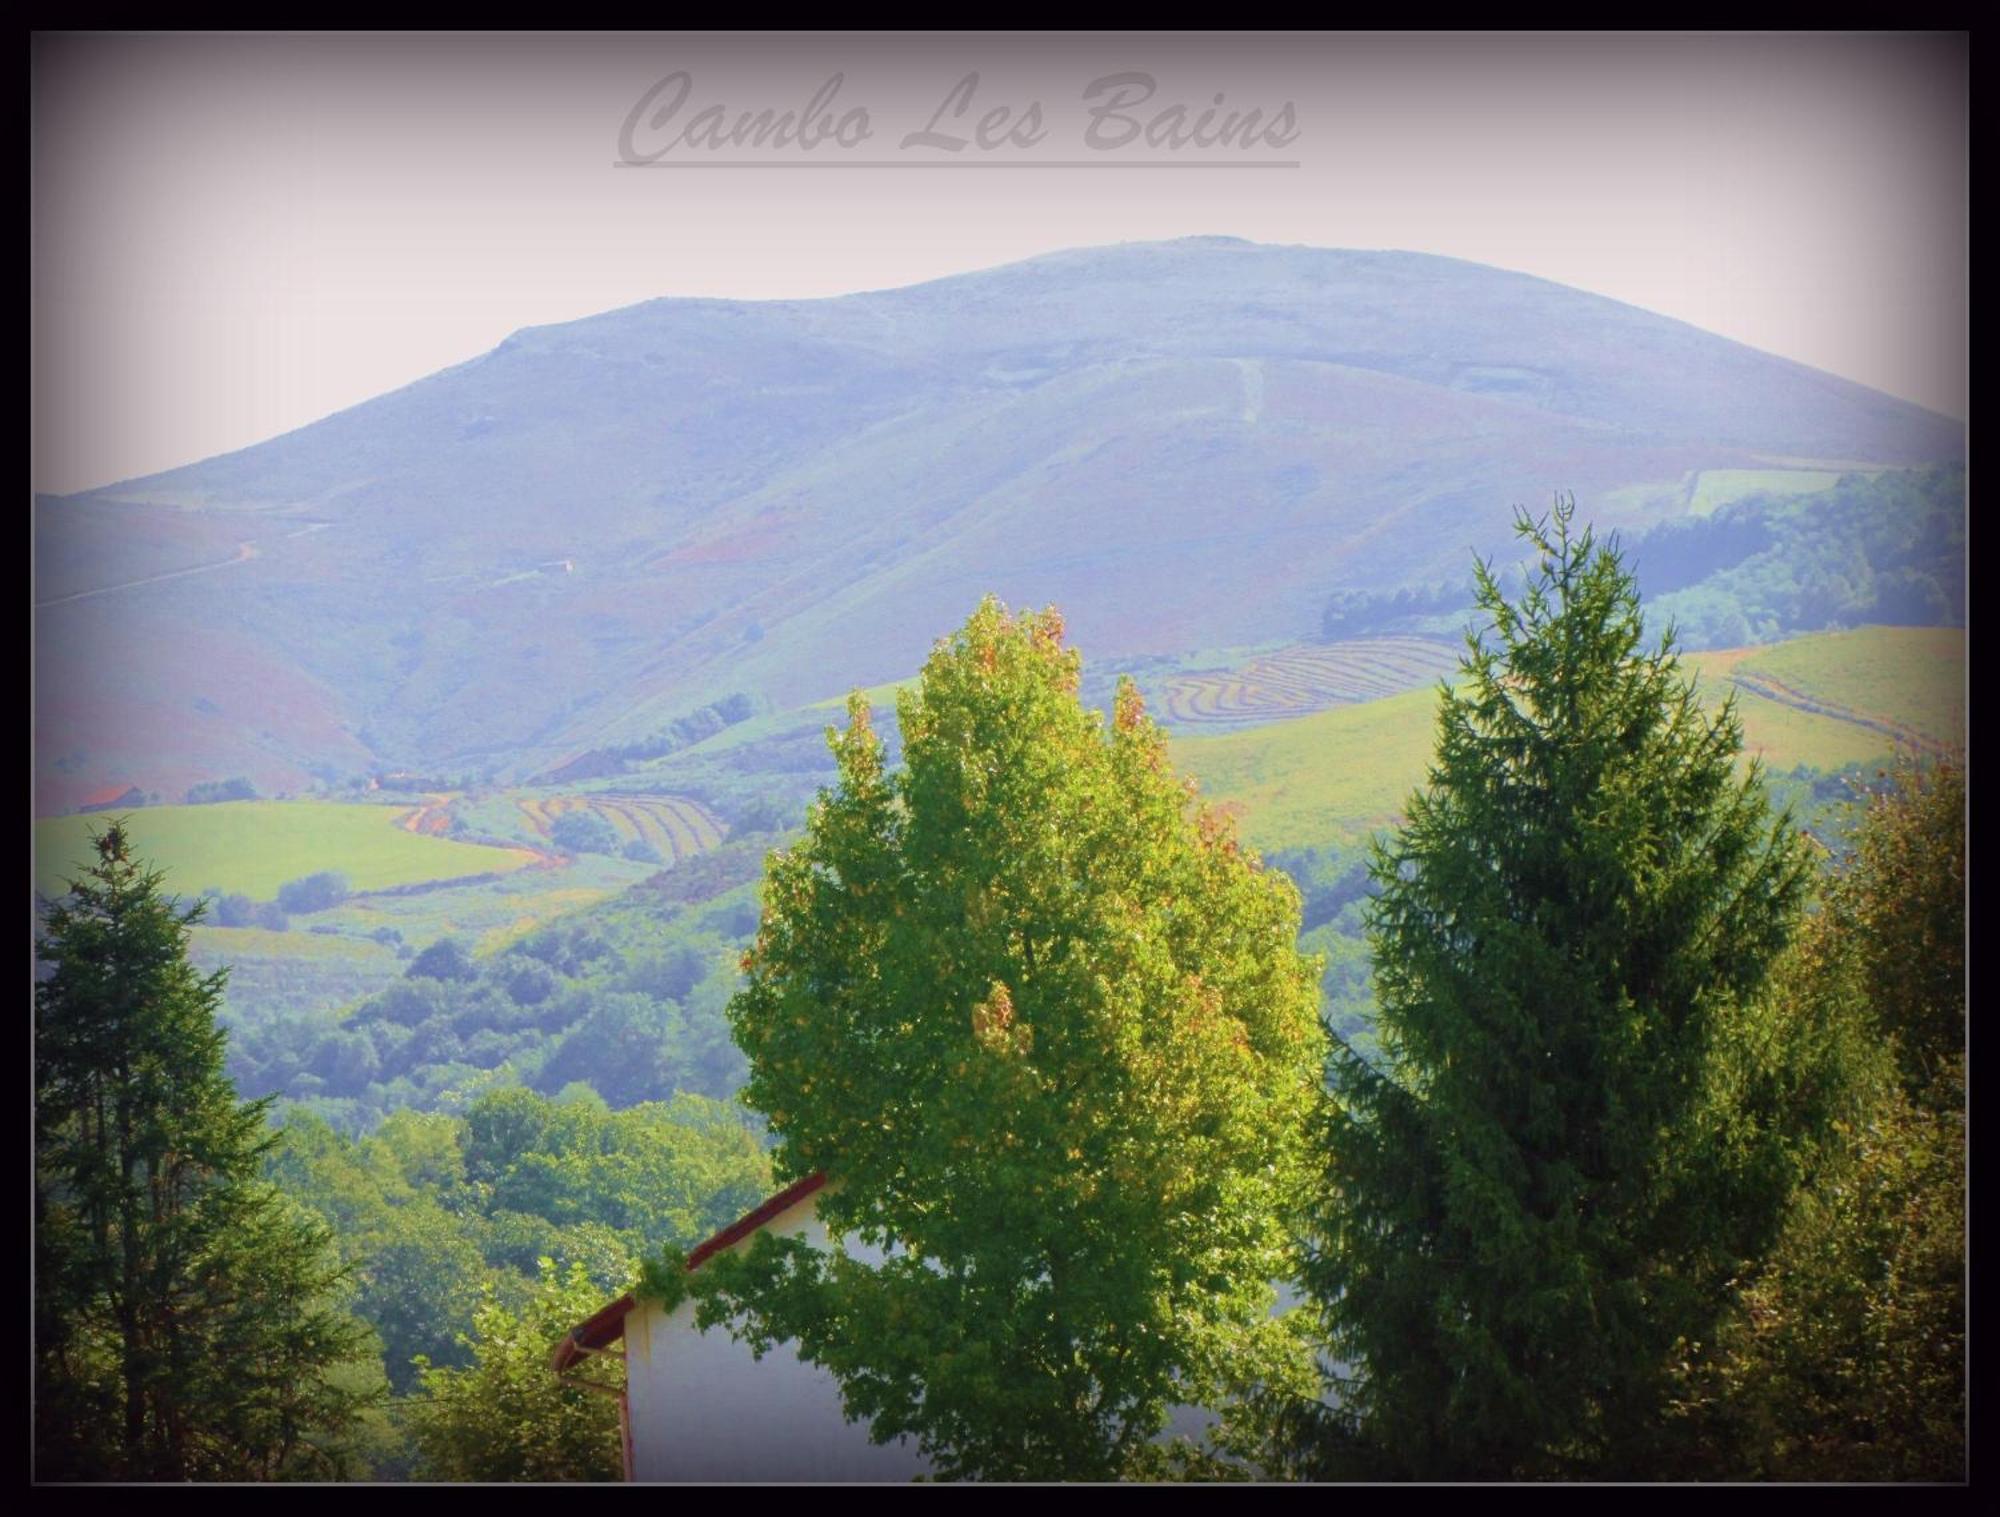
x: 606, y: 1326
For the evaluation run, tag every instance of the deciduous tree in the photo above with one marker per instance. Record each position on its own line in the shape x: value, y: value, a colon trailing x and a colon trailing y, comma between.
x: 1847, y: 1361
x: 504, y: 1416
x: 1045, y: 1022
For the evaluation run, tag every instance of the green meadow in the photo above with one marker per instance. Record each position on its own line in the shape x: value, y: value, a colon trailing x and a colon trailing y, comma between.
x: 1715, y: 488
x: 1334, y: 776
x: 1911, y: 677
x: 253, y: 847
x: 1825, y: 701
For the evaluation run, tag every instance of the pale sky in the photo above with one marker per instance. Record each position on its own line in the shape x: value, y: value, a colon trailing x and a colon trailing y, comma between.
x: 234, y: 236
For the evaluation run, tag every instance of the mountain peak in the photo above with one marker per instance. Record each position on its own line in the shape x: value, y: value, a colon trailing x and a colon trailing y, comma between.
x: 1188, y: 445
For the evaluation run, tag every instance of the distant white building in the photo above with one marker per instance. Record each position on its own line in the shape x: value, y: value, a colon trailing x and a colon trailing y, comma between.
x: 697, y: 1406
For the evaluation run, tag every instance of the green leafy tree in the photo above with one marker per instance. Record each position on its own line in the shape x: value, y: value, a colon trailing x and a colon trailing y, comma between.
x: 420, y: 1279
x: 584, y: 832
x: 664, y: 1172
x: 314, y: 892
x: 434, y: 1208
x: 1584, y: 1115
x: 446, y: 959
x: 1899, y: 909
x: 188, y: 1317
x: 504, y: 1416
x: 1045, y: 1023
x: 1847, y: 1361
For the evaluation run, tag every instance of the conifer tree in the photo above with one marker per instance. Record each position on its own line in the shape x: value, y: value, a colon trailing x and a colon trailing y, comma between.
x: 187, y: 1315
x: 1581, y: 1121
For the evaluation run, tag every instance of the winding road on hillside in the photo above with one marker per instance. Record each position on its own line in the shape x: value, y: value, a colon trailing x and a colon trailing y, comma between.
x: 244, y: 553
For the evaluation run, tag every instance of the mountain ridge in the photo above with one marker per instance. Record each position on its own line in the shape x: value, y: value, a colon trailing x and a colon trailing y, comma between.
x: 601, y: 523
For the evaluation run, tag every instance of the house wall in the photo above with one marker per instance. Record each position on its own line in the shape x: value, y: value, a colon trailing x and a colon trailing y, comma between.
x: 703, y: 1409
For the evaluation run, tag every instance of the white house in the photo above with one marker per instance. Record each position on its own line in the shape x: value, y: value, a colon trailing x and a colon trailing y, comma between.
x: 697, y: 1406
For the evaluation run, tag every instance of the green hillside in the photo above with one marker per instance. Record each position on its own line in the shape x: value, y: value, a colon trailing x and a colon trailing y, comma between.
x: 1333, y: 776
x: 1825, y: 701
x: 1910, y: 678
x: 256, y: 846
x: 568, y: 545
x: 1717, y: 487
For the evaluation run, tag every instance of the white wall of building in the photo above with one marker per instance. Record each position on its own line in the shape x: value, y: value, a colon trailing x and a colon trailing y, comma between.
x: 703, y: 1409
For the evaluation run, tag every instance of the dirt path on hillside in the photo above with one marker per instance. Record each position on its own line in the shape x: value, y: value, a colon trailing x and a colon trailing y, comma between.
x: 1799, y: 700
x: 244, y: 553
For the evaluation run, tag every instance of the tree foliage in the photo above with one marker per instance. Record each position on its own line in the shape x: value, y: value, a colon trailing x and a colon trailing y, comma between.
x: 1887, y: 549
x: 1584, y: 1114
x: 1045, y: 1022
x: 504, y: 1416
x: 584, y: 832
x: 313, y: 892
x: 433, y: 1209
x: 1899, y: 909
x: 626, y: 996
x: 1847, y: 1361
x: 188, y: 1317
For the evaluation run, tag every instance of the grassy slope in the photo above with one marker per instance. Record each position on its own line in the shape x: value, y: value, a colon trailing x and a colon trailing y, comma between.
x: 1913, y: 676
x: 1339, y: 774
x: 256, y: 846
x: 1714, y: 488
x: 1333, y: 776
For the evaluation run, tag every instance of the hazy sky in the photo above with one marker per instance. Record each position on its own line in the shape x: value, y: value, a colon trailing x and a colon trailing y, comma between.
x: 233, y: 236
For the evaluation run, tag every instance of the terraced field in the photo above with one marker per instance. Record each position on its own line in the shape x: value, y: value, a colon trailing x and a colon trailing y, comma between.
x: 1308, y: 677
x: 678, y: 827
x: 432, y: 818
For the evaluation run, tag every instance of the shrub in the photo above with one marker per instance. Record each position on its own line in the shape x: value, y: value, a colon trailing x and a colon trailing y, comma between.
x: 445, y: 959
x: 315, y: 892
x: 584, y: 832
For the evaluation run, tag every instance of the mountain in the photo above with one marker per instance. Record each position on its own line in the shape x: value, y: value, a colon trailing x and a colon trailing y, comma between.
x: 606, y: 524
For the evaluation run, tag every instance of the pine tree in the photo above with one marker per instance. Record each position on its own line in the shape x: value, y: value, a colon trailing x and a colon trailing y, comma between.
x: 1581, y: 1121
x: 186, y: 1313
x: 1045, y: 1024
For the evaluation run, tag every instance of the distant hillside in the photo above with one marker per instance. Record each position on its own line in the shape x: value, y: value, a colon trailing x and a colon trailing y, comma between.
x: 1824, y: 701
x: 637, y: 965
x: 253, y: 847
x: 604, y: 526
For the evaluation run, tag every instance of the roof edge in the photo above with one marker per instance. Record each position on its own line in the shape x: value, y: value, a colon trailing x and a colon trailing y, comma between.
x: 607, y: 1325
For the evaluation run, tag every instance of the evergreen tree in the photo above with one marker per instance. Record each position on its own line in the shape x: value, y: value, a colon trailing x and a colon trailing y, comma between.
x: 1046, y: 1026
x: 1582, y: 1120
x: 187, y: 1315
